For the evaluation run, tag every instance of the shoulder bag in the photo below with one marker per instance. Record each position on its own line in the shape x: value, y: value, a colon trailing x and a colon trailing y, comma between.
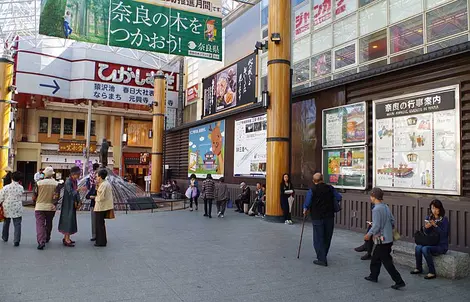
x: 427, y: 239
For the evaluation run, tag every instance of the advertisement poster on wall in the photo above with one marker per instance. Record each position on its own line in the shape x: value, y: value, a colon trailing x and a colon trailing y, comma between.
x: 417, y: 142
x: 321, y: 13
x: 185, y: 28
x: 345, y: 167
x: 250, y: 147
x: 345, y: 125
x: 302, y: 22
x: 207, y: 150
x: 233, y: 86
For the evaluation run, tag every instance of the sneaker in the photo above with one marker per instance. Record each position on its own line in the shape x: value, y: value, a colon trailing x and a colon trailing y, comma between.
x: 398, y: 285
x: 360, y: 249
x: 41, y: 246
x: 291, y: 222
x: 286, y: 222
x: 196, y: 208
x: 221, y: 215
x: 16, y: 244
x: 190, y: 209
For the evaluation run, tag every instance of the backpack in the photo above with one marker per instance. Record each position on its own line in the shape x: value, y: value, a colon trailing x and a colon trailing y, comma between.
x: 337, y: 200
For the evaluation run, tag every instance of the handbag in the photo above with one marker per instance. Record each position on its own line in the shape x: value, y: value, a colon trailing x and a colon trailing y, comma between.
x: 290, y: 200
x: 2, y: 215
x: 427, y: 239
x: 109, y: 214
x: 396, y: 235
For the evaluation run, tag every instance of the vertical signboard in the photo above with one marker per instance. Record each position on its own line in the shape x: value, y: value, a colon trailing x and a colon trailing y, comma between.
x: 417, y: 142
x: 302, y: 22
x: 186, y: 28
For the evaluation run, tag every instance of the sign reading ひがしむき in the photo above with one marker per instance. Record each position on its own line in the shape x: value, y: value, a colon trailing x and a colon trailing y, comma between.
x: 206, y: 150
x: 187, y: 28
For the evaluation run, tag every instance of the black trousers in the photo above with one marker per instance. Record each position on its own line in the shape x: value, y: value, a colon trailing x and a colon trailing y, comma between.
x: 285, y: 209
x: 208, y: 202
x: 382, y: 255
x: 239, y: 204
x: 101, y: 239
x: 191, y: 202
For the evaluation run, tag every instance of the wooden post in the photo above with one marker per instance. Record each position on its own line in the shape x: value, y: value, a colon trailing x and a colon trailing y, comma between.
x: 6, y: 80
x: 158, y: 131
x: 278, y: 137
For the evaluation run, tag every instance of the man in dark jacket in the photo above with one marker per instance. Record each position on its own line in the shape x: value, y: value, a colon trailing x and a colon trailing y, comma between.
x: 244, y: 198
x: 320, y: 202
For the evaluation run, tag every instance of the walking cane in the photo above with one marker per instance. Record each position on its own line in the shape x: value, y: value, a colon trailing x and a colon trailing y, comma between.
x: 301, y: 235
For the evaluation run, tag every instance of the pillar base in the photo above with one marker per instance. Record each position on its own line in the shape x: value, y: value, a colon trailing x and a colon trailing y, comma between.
x: 275, y: 219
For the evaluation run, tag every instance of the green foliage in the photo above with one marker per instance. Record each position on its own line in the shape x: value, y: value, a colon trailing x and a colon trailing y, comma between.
x: 52, y: 19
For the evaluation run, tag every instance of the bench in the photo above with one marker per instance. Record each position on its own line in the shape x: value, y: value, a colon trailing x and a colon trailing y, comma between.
x: 452, y: 265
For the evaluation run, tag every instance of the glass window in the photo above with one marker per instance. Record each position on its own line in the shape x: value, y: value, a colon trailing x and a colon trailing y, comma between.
x: 344, y: 7
x: 345, y: 30
x: 365, y: 2
x: 373, y: 47
x: 448, y: 43
x: 433, y: 3
x: 345, y: 56
x: 56, y: 125
x: 43, y: 124
x: 373, y: 65
x: 297, y: 2
x: 264, y: 16
x: 402, y: 9
x: 321, y: 65
x: 447, y: 20
x: 265, y: 34
x: 68, y: 126
x: 322, y: 40
x: 321, y: 13
x: 406, y: 55
x: 344, y: 73
x: 301, y: 72
x: 301, y: 49
x: 80, y: 127
x: 373, y: 18
x: 93, y: 128
x: 264, y: 66
x: 406, y: 35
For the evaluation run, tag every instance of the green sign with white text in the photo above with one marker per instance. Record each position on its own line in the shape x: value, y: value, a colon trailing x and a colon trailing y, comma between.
x: 178, y: 27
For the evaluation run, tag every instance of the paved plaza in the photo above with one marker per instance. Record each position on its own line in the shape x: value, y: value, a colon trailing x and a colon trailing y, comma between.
x: 182, y: 256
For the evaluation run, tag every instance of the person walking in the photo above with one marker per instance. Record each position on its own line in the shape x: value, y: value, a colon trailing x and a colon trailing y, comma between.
x: 222, y: 196
x: 208, y: 192
x: 7, y: 178
x: 383, y: 223
x: 193, y: 184
x: 91, y: 186
x: 287, y: 191
x: 104, y: 207
x: 320, y: 202
x: 11, y: 198
x: 70, y: 204
x: 46, y: 197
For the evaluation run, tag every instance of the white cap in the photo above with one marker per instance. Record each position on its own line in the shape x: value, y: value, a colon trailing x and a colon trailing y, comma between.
x: 48, y: 172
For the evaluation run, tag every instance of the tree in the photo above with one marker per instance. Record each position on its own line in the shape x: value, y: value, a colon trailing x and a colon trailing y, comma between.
x: 52, y: 18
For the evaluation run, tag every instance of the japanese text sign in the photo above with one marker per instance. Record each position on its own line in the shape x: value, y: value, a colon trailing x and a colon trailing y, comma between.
x: 321, y: 12
x: 178, y: 27
x: 302, y: 22
x: 192, y: 94
x: 231, y: 87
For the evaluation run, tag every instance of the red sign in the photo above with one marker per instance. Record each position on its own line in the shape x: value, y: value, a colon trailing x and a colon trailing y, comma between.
x: 131, y: 75
x: 321, y: 12
x: 192, y: 94
x: 302, y: 22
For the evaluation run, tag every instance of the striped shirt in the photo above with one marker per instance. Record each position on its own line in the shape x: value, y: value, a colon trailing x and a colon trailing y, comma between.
x: 208, y: 189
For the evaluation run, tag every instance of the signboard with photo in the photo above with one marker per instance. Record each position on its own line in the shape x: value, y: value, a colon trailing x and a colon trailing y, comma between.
x: 417, y: 142
x: 192, y: 94
x: 302, y: 22
x: 206, y: 150
x: 185, y: 28
x: 345, y: 125
x: 231, y: 87
x: 250, y: 147
x: 345, y: 167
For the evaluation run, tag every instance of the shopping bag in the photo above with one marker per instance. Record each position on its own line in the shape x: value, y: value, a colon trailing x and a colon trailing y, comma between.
x: 189, y: 193
x: 230, y: 204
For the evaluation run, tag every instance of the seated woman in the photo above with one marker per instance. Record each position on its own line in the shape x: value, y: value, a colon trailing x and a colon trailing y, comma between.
x: 434, y: 222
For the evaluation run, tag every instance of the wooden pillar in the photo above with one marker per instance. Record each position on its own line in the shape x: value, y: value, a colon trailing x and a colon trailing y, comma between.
x: 6, y: 80
x: 158, y: 123
x: 278, y: 136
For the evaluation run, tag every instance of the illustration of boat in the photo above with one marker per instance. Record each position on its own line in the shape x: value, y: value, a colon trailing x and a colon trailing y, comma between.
x: 401, y: 171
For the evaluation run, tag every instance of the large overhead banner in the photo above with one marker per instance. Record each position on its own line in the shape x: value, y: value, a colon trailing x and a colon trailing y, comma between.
x: 187, y: 28
x: 233, y: 86
x: 417, y: 142
x: 206, y: 150
x: 250, y: 147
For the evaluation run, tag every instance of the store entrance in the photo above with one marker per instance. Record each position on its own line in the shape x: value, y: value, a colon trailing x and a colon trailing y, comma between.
x: 28, y: 169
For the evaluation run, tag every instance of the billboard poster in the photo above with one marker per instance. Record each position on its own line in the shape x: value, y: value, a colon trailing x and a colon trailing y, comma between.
x: 344, y: 125
x: 345, y: 167
x: 321, y: 13
x: 192, y: 94
x: 207, y: 150
x: 187, y: 28
x: 302, y: 22
x: 231, y: 87
x: 417, y: 142
x: 250, y: 147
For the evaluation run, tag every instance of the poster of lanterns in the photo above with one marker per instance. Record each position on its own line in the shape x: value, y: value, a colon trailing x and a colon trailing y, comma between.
x: 206, y: 150
x: 417, y: 142
x: 344, y: 125
x: 345, y: 167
